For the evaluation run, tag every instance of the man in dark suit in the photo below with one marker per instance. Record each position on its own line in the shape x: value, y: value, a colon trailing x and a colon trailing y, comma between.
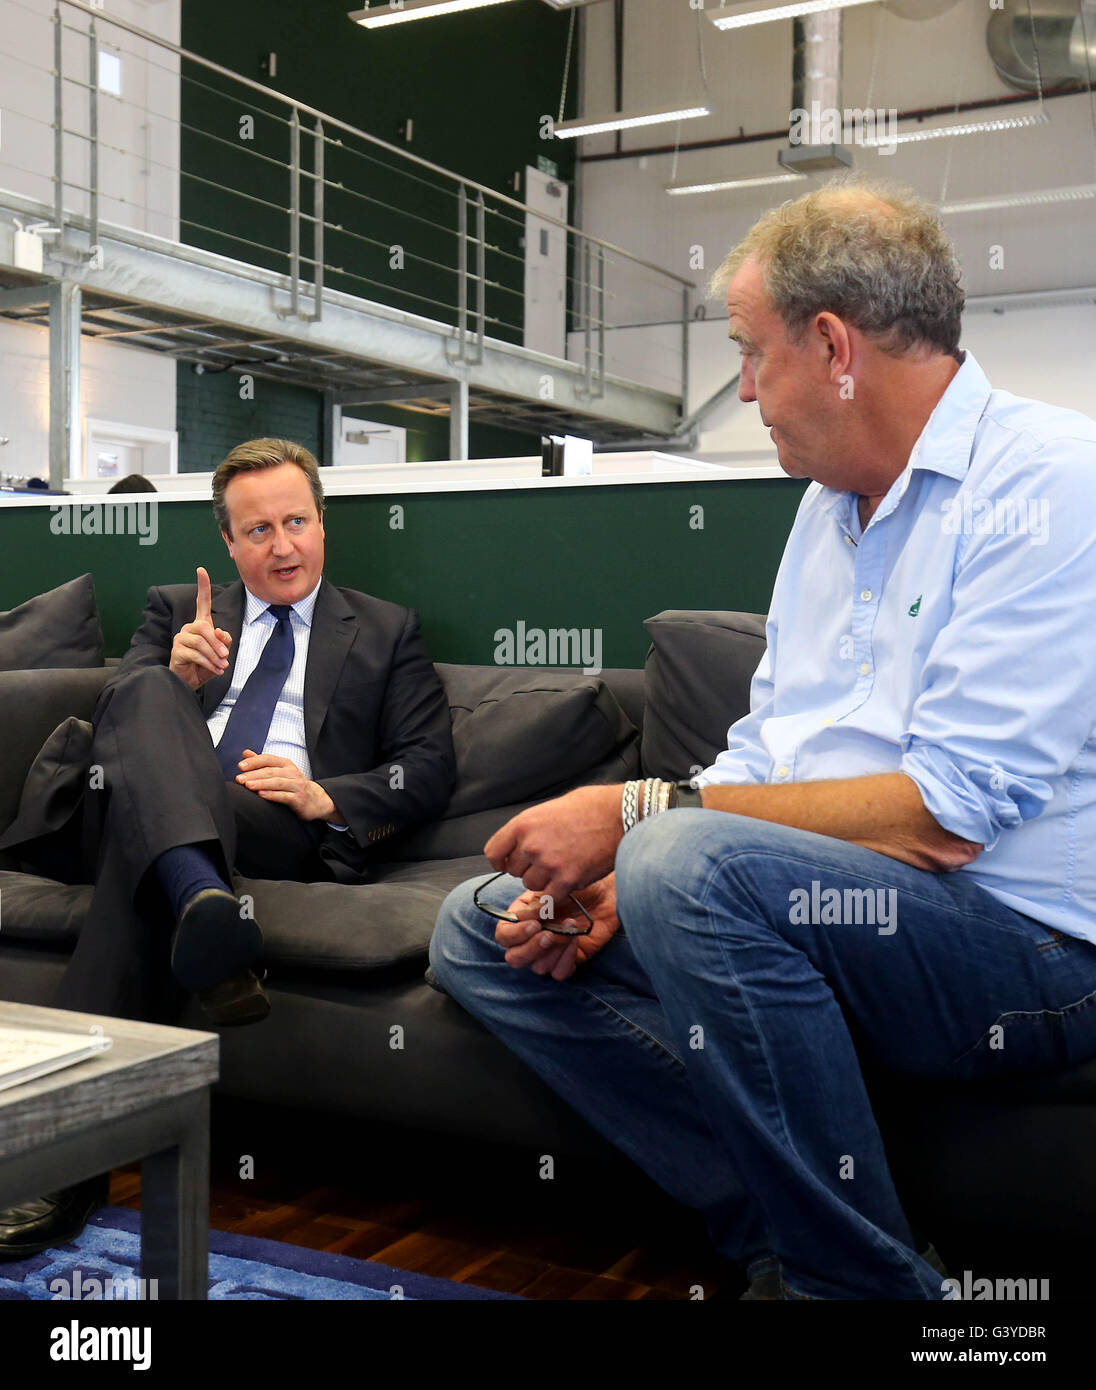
x: 276, y: 726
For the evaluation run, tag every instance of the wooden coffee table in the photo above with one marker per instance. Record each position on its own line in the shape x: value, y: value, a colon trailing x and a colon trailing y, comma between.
x: 146, y: 1098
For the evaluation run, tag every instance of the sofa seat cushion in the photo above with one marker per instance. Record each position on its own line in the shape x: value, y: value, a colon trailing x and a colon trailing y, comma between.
x: 41, y: 910
x: 307, y: 926
x: 699, y: 670
x: 357, y: 927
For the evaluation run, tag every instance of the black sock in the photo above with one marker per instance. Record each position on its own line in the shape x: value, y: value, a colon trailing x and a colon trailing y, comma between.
x: 185, y: 871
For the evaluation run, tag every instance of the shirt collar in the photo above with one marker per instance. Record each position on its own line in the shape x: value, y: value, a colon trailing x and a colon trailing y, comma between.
x: 947, y: 440
x: 303, y: 608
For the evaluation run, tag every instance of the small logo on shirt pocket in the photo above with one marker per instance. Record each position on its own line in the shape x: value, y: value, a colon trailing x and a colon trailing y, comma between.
x: 915, y: 606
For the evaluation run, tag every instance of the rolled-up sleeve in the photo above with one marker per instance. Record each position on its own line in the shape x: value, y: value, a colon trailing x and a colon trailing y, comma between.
x: 1007, y: 696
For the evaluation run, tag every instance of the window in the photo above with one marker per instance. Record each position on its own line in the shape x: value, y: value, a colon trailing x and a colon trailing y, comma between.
x: 110, y: 73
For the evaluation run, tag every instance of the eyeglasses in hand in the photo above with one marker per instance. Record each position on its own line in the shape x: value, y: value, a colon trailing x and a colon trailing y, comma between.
x: 503, y: 916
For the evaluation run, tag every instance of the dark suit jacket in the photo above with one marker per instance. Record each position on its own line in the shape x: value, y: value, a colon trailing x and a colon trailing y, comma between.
x: 372, y: 703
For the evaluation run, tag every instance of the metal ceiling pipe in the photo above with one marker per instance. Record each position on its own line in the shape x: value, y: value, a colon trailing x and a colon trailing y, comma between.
x: 822, y: 60
x: 1044, y: 43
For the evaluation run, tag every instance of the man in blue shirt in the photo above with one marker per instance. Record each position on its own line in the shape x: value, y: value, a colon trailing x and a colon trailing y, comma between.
x: 890, y: 854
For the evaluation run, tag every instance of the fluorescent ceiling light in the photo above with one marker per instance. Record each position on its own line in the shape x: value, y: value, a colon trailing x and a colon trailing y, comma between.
x: 627, y: 120
x: 1025, y: 200
x: 969, y: 128
x: 737, y: 16
x: 734, y: 183
x: 380, y: 15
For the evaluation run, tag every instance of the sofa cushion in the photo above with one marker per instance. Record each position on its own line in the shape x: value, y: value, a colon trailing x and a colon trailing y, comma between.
x: 56, y: 629
x: 699, y: 669
x: 341, y: 927
x: 523, y: 736
x: 55, y: 782
x: 32, y: 705
x: 41, y: 910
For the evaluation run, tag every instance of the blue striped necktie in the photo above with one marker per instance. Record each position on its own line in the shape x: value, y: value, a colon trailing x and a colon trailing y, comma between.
x: 249, y: 722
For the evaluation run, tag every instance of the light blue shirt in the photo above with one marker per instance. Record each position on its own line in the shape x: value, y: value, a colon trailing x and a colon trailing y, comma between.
x: 953, y: 640
x: 285, y: 738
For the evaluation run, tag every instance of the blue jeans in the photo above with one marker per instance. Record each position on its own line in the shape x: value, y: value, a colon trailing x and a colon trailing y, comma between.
x: 716, y: 1039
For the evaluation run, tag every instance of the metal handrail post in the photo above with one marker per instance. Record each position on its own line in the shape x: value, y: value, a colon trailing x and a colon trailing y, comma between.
x: 684, y: 352
x: 93, y: 129
x: 587, y: 320
x: 580, y: 296
x: 317, y: 232
x: 58, y: 127
x: 295, y: 213
x: 600, y: 321
x: 462, y: 269
x: 481, y: 275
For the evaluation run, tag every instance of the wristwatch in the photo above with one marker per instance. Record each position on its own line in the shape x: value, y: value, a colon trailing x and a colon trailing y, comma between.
x: 685, y: 794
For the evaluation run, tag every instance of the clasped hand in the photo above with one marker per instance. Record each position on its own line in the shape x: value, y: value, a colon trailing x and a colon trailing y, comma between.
x: 278, y: 779
x: 527, y: 945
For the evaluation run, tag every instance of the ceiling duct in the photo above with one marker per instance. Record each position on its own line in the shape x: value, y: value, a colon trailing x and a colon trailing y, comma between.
x: 819, y: 92
x: 1043, y: 43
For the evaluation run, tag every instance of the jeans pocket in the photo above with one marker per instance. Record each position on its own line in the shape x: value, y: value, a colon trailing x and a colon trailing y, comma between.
x: 1042, y: 1040
x: 1016, y: 1042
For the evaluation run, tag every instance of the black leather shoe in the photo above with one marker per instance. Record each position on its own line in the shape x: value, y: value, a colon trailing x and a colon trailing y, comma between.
x: 212, y: 941
x: 44, y: 1222
x: 239, y: 1000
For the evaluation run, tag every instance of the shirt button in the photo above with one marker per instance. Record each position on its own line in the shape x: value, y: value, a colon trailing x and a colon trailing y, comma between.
x: 849, y: 540
x: 828, y: 719
x: 865, y: 669
x: 865, y: 594
x: 782, y: 772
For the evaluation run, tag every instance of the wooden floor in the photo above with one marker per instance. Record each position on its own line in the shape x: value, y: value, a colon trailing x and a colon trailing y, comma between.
x: 475, y: 1214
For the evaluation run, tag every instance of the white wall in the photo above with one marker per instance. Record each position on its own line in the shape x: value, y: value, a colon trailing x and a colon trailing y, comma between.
x: 930, y: 63
x: 118, y: 384
x: 138, y: 131
x: 1047, y: 353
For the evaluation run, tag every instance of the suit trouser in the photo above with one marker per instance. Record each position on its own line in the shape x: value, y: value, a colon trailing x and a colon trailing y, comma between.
x: 161, y: 786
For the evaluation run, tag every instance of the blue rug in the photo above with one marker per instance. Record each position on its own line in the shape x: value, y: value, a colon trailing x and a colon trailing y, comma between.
x: 240, y: 1267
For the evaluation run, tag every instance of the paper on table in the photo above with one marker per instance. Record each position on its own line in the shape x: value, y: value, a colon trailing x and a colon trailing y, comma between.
x: 28, y: 1053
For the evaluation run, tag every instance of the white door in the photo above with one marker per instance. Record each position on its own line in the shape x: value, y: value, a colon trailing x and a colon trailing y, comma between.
x: 115, y: 458
x: 368, y: 442
x: 545, y: 264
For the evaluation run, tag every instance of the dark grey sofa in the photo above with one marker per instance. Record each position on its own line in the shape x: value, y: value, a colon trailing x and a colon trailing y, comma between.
x: 1001, y: 1176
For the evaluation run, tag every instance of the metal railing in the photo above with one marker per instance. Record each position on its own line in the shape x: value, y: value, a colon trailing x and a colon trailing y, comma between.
x: 370, y: 200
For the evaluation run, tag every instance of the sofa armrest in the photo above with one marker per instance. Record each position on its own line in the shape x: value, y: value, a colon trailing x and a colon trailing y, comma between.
x: 32, y: 704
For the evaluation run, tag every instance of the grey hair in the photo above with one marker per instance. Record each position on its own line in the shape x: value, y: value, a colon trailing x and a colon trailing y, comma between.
x: 871, y: 252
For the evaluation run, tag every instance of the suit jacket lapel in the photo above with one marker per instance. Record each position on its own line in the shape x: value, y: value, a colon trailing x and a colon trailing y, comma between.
x: 334, y: 627
x: 227, y: 612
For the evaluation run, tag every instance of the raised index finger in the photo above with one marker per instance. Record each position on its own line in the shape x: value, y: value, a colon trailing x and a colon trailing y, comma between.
x: 205, y: 596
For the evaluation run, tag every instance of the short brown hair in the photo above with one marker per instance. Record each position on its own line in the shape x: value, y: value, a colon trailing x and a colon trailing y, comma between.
x: 263, y: 453
x: 870, y: 251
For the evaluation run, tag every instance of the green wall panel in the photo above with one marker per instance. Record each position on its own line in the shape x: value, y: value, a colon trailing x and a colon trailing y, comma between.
x: 211, y: 418
x: 470, y: 562
x: 475, y: 86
